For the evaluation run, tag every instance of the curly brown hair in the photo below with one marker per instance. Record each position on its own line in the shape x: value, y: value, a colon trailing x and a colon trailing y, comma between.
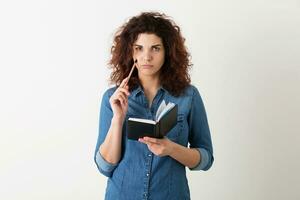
x: 174, y: 74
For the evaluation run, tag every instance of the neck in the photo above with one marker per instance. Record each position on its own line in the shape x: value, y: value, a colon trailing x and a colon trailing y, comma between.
x: 150, y: 86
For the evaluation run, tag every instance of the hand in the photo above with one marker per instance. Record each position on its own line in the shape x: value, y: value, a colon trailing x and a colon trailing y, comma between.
x: 160, y: 147
x: 119, y: 100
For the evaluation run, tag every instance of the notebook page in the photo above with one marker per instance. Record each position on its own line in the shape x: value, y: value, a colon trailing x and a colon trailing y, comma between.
x: 165, y: 110
x: 161, y: 107
x: 148, y: 121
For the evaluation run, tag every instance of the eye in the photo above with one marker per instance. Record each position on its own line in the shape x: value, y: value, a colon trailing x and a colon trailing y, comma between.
x: 138, y: 48
x: 156, y: 48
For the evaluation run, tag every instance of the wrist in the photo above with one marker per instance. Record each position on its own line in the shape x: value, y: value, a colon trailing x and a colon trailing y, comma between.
x: 172, y: 148
x: 117, y: 120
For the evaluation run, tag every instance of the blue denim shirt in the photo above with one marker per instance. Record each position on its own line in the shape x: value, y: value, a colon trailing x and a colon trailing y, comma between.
x: 142, y: 175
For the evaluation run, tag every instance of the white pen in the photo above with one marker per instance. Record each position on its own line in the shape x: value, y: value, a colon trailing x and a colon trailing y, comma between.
x: 132, y: 68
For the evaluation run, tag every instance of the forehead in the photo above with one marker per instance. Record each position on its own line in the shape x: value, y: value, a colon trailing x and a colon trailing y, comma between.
x: 148, y: 39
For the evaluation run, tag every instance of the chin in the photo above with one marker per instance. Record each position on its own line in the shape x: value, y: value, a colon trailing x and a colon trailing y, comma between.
x: 148, y: 72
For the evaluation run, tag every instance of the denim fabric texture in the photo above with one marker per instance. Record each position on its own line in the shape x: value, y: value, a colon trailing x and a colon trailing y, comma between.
x: 142, y: 175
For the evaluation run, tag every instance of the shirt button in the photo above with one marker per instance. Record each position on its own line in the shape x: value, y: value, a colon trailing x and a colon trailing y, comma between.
x: 149, y: 155
x: 147, y: 174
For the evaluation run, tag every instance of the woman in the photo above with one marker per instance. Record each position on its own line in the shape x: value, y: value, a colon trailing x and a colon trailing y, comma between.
x: 151, y: 168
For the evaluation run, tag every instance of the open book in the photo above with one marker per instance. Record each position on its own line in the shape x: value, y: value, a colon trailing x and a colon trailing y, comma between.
x: 165, y: 120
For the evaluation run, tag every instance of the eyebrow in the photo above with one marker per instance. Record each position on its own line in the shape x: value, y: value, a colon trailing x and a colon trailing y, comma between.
x: 156, y: 45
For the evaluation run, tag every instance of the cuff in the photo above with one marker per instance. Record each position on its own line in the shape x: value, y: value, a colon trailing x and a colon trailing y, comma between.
x: 204, y: 160
x: 105, y: 167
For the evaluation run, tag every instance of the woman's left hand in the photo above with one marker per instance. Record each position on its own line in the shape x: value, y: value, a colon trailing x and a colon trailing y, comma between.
x: 160, y: 147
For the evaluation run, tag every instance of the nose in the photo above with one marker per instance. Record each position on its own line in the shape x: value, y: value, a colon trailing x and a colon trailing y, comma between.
x: 147, y: 55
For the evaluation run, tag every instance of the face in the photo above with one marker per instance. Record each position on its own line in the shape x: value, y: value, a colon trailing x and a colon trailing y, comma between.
x: 149, y: 51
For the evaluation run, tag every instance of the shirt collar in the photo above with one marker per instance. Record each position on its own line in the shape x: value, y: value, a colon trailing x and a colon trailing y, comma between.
x: 136, y: 91
x: 139, y: 90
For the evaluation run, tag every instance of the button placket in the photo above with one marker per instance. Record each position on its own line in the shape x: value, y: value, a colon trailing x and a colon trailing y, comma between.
x: 147, y: 174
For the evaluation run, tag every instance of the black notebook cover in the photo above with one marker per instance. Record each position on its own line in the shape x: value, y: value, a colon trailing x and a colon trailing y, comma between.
x: 136, y: 130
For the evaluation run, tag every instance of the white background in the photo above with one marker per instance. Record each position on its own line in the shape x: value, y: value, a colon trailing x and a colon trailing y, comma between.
x: 53, y: 59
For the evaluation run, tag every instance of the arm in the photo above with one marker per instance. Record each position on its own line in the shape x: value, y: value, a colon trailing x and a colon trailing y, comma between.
x: 112, y: 115
x: 199, y: 155
x: 186, y: 156
x: 199, y: 136
x: 189, y: 157
x: 193, y: 158
x: 110, y: 149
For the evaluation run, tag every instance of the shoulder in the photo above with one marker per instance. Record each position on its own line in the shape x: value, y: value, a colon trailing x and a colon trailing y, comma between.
x: 108, y: 93
x: 191, y: 91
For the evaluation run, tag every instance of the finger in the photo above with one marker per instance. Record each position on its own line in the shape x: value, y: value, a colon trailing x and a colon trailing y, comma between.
x: 143, y: 141
x: 152, y: 140
x: 117, y: 101
x: 124, y: 90
x: 149, y: 144
x: 125, y: 104
x: 118, y: 93
x: 121, y: 98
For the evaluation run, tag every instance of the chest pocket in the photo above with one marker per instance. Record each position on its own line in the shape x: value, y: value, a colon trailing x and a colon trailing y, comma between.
x: 177, y: 130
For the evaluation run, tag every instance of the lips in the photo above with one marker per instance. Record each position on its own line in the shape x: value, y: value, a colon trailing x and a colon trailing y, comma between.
x: 147, y: 66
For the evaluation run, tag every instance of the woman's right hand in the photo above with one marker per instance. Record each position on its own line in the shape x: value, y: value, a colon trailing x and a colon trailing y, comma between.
x: 119, y: 101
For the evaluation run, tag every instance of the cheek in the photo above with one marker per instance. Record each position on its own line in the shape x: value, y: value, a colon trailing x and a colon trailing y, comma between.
x: 136, y: 54
x: 162, y: 56
x: 162, y: 59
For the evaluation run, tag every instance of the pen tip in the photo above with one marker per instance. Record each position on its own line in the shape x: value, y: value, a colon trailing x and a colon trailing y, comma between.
x: 135, y: 61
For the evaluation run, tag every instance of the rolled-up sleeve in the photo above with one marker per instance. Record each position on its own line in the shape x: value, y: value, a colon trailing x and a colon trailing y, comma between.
x: 199, y: 137
x: 205, y: 160
x: 104, y: 167
x: 106, y: 115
